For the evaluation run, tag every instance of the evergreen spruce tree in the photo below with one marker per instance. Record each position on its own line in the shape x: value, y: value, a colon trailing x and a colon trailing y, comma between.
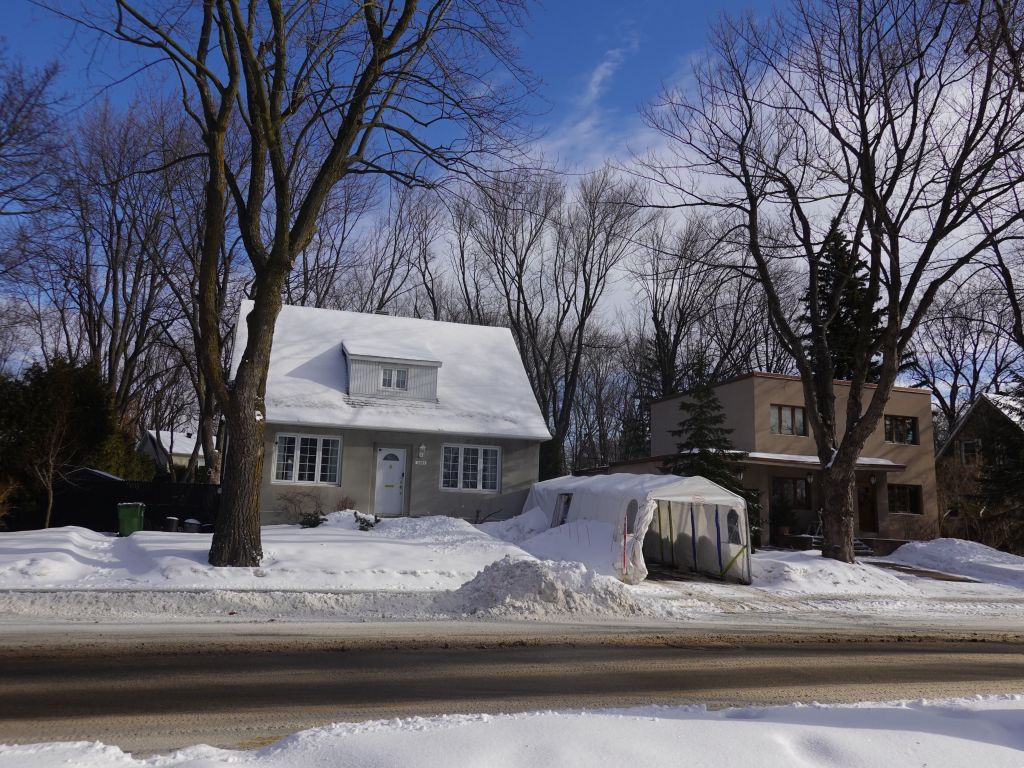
x: 705, y: 447
x: 842, y: 273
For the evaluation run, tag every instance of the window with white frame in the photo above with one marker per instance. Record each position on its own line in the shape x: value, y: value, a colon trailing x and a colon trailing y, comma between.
x: 470, y: 468
x: 307, y: 459
x: 394, y: 378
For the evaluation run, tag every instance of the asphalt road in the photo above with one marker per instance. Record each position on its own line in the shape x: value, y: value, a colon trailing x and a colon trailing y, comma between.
x: 150, y: 694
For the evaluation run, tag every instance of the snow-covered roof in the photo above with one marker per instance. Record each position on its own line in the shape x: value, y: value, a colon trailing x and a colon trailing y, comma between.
x: 176, y: 443
x: 482, y: 388
x: 793, y: 458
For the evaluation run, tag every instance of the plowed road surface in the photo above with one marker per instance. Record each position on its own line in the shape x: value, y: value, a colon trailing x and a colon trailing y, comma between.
x: 159, y: 690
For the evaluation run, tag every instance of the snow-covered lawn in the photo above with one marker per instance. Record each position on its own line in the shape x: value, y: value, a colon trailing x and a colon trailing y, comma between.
x: 948, y: 734
x: 440, y: 567
x: 403, y: 554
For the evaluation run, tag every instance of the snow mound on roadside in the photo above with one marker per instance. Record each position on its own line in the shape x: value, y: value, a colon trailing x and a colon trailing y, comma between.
x: 510, y: 587
x: 519, y: 528
x: 808, y: 573
x: 964, y: 558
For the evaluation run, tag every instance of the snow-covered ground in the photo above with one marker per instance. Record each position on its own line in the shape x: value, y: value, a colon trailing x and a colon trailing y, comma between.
x: 440, y: 567
x: 945, y: 734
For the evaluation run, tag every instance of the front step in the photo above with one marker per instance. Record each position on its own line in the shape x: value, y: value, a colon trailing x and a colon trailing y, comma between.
x: 860, y: 549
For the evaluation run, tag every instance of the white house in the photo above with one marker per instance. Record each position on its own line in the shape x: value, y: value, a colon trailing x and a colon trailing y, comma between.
x: 396, y: 415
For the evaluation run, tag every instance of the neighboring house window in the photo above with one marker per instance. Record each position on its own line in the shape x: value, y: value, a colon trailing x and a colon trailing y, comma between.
x: 307, y: 459
x: 969, y: 453
x: 470, y: 468
x: 901, y: 429
x: 394, y: 378
x: 788, y: 420
x: 793, y: 490
x: 905, y: 499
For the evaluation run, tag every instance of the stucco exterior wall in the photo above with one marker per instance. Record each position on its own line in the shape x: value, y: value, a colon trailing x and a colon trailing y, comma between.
x: 424, y: 496
x: 737, y: 399
x: 747, y: 403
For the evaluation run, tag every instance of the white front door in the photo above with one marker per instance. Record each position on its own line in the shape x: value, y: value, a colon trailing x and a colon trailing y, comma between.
x: 389, y: 499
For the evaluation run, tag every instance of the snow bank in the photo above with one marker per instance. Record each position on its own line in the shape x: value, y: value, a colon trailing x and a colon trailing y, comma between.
x: 947, y: 734
x: 591, y: 542
x: 535, y: 588
x: 518, y: 528
x: 809, y: 573
x: 964, y: 558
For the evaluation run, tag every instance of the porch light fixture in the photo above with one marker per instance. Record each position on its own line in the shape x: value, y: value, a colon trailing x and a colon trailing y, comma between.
x: 873, y: 479
x: 423, y: 450
x: 810, y: 478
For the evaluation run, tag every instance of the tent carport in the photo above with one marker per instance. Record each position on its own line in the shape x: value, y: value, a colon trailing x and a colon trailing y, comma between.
x: 687, y: 522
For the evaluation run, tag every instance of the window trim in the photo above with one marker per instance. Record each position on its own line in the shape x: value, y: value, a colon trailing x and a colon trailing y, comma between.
x: 889, y: 428
x: 295, y: 461
x: 777, y: 408
x: 394, y: 370
x: 480, y: 469
x: 916, y: 499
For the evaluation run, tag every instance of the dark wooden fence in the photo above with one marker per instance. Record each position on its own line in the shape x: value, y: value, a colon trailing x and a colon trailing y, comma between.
x: 90, y: 500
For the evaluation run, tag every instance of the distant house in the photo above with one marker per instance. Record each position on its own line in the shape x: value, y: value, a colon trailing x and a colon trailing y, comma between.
x: 396, y: 416
x: 895, y: 485
x: 169, y: 449
x: 981, y: 436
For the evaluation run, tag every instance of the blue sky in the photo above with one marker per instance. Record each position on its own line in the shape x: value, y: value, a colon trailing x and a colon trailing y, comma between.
x: 598, y: 60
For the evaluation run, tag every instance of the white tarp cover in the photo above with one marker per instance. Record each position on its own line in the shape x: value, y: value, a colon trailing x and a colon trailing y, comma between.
x: 629, y: 503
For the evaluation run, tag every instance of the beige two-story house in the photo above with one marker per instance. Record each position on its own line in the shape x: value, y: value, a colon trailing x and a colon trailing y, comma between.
x: 896, y: 489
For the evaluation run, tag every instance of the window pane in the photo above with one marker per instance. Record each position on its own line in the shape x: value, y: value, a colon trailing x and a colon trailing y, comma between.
x: 470, y: 467
x: 787, y: 420
x: 888, y: 429
x: 450, y: 467
x: 385, y: 378
x: 489, y: 480
x: 285, y: 458
x: 307, y: 460
x: 329, y: 460
x: 799, y: 427
x: 775, y: 419
x: 912, y: 431
x: 401, y: 378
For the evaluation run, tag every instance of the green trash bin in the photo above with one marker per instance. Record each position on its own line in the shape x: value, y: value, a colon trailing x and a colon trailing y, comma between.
x: 131, y: 516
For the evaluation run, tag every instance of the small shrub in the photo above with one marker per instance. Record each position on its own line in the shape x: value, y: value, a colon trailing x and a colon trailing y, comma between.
x: 312, y: 519
x: 365, y: 521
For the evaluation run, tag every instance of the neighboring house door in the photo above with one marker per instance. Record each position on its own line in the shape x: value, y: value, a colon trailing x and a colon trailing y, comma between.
x: 389, y: 498
x: 867, y: 508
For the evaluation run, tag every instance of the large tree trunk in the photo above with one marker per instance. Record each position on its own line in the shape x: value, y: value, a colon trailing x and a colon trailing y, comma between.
x: 236, y: 539
x: 837, y: 513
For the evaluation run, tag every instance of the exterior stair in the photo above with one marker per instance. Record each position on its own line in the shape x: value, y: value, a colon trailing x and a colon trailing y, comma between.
x: 860, y: 549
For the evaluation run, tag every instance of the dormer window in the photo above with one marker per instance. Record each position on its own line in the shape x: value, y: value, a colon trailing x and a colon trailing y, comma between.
x: 394, y: 378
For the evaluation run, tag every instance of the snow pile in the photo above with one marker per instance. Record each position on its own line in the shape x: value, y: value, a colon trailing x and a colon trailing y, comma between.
x: 808, y: 573
x: 594, y: 543
x: 964, y: 558
x: 948, y: 734
x: 519, y: 528
x: 533, y: 588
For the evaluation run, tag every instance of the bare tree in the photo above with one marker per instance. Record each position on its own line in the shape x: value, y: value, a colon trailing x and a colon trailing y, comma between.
x: 95, y: 253
x: 543, y: 259
x: 316, y: 92
x: 963, y: 346
x: 902, y: 120
x: 28, y: 141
